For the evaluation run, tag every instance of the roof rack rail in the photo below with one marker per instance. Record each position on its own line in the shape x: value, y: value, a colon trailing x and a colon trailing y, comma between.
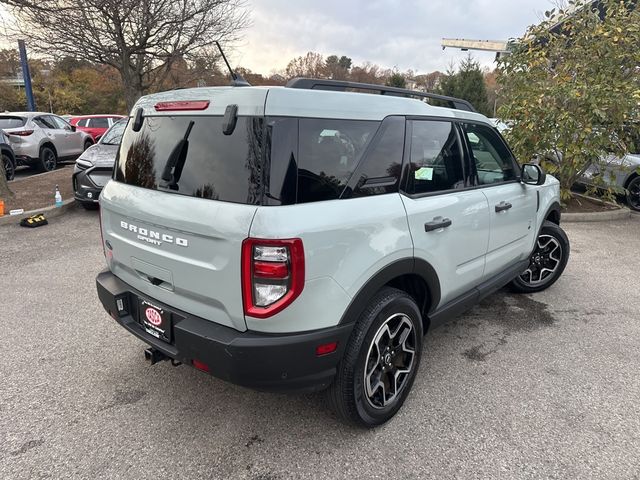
x: 342, y: 86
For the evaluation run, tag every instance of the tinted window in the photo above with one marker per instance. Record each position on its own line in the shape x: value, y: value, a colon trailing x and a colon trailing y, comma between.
x: 493, y: 160
x: 215, y: 166
x: 379, y: 171
x: 12, y: 122
x: 436, y: 158
x: 58, y: 122
x: 329, y: 151
x: 101, y: 122
x: 114, y: 135
x: 44, y: 122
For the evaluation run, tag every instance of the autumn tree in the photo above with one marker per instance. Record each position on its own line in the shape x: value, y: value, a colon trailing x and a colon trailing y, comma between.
x: 310, y: 65
x: 571, y: 90
x: 338, y: 67
x: 140, y: 40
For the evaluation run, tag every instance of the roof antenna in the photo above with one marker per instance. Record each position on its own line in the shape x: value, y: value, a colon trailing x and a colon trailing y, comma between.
x: 238, y: 80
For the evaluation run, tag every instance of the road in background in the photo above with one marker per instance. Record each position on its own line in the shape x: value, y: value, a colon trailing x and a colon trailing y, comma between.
x: 535, y: 386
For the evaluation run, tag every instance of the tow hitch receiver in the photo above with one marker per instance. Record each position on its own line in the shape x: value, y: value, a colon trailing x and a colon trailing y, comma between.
x: 154, y: 356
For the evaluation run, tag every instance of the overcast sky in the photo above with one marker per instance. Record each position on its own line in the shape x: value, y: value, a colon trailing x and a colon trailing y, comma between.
x: 393, y: 33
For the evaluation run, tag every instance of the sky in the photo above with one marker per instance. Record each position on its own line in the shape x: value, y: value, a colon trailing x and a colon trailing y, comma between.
x: 392, y: 33
x: 404, y: 34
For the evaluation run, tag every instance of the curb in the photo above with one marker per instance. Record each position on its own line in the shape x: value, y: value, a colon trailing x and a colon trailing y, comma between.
x: 620, y: 213
x: 49, y: 212
x: 33, y: 175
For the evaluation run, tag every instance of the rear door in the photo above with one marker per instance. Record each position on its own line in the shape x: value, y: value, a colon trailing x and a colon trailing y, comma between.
x: 176, y: 236
x: 512, y: 206
x: 74, y: 140
x: 56, y: 135
x: 449, y: 224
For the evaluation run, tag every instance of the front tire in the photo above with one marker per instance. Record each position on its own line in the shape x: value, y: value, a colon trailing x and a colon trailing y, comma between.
x: 48, y: 160
x: 87, y: 144
x: 380, y: 361
x: 633, y: 194
x: 547, y: 262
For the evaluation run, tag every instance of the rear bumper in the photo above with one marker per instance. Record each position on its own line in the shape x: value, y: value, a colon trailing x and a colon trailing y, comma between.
x: 273, y: 362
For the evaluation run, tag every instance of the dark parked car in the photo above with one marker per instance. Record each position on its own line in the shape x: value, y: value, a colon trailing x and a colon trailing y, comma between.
x: 8, y: 157
x: 94, y: 167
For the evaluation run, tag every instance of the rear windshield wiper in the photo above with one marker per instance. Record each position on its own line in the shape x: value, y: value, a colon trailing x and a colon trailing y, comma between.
x: 175, y: 163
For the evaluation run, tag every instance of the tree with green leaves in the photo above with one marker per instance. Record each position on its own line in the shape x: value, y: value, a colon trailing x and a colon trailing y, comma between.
x: 338, y: 67
x: 571, y: 89
x: 396, y: 80
x: 466, y: 83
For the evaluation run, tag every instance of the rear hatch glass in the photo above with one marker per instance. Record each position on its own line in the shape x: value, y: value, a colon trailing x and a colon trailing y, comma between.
x: 11, y: 122
x: 201, y: 162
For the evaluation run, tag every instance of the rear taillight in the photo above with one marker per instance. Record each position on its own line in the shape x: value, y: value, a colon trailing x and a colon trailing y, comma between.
x: 272, y: 275
x: 21, y: 133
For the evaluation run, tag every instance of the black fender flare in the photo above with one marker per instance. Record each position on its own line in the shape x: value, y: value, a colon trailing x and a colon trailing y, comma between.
x: 415, y: 266
x: 555, y: 209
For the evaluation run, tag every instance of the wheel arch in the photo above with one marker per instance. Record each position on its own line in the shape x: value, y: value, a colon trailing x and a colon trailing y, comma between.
x: 50, y: 145
x: 630, y: 179
x: 414, y: 276
x: 553, y: 214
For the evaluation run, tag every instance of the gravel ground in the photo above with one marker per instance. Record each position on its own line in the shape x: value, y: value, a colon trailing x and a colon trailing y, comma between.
x: 540, y: 386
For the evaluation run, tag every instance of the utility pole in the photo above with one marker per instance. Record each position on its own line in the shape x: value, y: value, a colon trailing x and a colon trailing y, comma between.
x: 26, y: 74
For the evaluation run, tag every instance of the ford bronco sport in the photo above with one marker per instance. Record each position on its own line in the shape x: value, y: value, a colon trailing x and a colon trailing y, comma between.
x: 307, y: 237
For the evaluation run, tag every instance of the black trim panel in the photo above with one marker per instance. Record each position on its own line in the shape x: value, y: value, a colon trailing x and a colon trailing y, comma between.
x: 273, y: 362
x: 467, y: 300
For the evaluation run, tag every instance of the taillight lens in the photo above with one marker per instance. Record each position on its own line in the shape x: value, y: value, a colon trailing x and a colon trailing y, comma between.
x: 272, y: 275
x: 21, y: 133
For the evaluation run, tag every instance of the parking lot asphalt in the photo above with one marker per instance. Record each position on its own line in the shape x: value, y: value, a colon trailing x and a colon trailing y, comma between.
x: 522, y: 386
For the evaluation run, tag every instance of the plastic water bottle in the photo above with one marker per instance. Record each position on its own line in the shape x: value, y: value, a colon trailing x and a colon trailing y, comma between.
x: 58, y: 197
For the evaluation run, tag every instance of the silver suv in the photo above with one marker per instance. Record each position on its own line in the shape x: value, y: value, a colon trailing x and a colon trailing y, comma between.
x: 307, y: 237
x: 41, y: 140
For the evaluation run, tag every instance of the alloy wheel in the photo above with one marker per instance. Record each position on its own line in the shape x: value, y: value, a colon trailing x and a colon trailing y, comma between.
x: 544, y: 262
x: 8, y: 167
x: 634, y: 194
x: 49, y: 160
x: 389, y: 360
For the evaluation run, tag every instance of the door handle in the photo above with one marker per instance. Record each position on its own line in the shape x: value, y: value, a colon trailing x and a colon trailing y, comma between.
x: 502, y: 206
x: 437, y: 223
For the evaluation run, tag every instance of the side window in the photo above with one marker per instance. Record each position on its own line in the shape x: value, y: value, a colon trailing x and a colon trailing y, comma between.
x: 379, y: 172
x: 100, y: 122
x: 493, y: 160
x: 44, y: 122
x: 59, y: 123
x: 436, y: 158
x: 329, y: 151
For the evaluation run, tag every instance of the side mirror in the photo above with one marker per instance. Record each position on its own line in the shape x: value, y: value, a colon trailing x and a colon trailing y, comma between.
x: 532, y: 174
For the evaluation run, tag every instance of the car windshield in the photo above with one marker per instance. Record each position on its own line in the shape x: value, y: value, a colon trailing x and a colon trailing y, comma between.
x: 12, y: 122
x: 114, y: 134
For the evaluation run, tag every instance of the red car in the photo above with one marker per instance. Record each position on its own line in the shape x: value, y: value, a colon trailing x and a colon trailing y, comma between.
x: 94, y: 125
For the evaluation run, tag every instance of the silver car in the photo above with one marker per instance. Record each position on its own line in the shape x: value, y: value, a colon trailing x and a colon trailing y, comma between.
x: 623, y: 174
x: 41, y: 140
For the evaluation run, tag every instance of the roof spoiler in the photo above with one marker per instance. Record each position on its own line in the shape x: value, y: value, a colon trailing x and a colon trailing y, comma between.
x: 343, y: 86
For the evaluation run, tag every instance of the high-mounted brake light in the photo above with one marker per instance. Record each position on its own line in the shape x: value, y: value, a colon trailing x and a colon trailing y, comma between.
x: 182, y: 105
x: 272, y: 275
x: 21, y: 133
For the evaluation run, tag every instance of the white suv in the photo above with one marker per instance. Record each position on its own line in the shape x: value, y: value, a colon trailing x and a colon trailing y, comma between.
x: 41, y: 140
x: 307, y: 237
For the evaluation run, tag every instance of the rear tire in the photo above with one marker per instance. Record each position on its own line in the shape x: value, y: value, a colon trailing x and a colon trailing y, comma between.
x: 386, y: 344
x: 547, y: 262
x: 48, y: 160
x: 9, y: 167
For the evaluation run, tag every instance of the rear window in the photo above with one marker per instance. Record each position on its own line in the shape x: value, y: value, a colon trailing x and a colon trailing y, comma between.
x: 12, y: 122
x: 214, y: 165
